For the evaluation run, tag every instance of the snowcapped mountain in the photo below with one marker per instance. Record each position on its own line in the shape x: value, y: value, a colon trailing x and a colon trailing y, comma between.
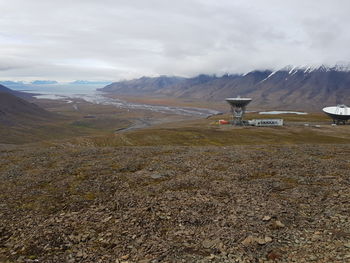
x: 305, y: 87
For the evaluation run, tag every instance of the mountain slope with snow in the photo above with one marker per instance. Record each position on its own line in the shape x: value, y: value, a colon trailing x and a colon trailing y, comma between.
x: 304, y: 88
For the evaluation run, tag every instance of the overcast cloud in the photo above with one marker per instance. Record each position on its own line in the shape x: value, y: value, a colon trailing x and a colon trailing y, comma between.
x: 119, y: 39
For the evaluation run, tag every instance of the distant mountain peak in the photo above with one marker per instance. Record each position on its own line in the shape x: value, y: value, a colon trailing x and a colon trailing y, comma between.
x: 43, y: 82
x: 10, y: 82
x: 342, y: 67
x: 324, y: 68
x: 89, y: 82
x: 306, y: 69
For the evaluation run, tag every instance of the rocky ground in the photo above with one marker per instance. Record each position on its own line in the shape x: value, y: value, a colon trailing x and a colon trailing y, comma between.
x: 64, y: 203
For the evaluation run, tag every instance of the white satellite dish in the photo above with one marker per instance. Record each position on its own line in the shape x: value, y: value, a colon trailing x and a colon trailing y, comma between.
x: 238, y: 106
x: 339, y: 113
x: 240, y: 102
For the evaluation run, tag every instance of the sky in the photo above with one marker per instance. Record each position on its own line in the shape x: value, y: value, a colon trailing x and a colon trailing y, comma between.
x: 122, y: 39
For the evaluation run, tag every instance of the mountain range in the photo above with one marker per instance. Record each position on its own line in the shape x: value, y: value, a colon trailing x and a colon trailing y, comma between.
x: 290, y: 88
x: 44, y: 82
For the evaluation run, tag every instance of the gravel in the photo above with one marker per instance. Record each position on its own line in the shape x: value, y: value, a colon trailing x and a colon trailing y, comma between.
x: 68, y: 203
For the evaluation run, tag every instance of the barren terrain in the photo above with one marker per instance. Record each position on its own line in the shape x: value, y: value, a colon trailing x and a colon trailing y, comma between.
x: 182, y: 191
x: 62, y: 203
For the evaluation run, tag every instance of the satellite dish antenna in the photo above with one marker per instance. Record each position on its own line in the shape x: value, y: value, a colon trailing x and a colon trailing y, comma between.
x: 339, y: 113
x: 238, y: 106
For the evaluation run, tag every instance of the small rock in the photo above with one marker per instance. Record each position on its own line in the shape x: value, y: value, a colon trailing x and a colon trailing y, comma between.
x: 266, y: 218
x: 313, y: 258
x: 268, y: 239
x: 249, y: 240
x: 107, y: 219
x: 279, y: 224
x: 158, y: 176
x: 347, y: 245
x: 263, y: 241
x: 125, y: 257
x: 208, y: 243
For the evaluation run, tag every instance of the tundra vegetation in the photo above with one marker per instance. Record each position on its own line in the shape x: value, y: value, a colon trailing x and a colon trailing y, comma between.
x: 85, y: 188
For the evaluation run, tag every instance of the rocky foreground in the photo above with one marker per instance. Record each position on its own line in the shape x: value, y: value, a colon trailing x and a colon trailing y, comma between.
x: 175, y: 204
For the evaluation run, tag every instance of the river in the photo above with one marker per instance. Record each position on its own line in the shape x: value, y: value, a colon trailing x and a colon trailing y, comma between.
x: 89, y: 93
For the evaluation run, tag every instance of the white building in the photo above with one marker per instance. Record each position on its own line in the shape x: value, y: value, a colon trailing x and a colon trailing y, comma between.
x: 266, y: 122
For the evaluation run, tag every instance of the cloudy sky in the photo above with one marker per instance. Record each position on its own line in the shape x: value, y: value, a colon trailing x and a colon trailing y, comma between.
x: 121, y: 39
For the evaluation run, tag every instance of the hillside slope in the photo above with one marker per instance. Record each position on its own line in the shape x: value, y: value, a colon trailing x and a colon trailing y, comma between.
x: 288, y: 88
x: 16, y: 111
x: 20, y: 94
x: 22, y: 121
x: 144, y: 85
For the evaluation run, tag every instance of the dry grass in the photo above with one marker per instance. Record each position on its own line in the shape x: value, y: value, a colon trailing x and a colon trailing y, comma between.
x: 208, y: 132
x: 108, y: 119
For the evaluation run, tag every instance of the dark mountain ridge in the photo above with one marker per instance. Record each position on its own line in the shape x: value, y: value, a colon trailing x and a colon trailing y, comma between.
x: 20, y: 94
x: 16, y: 111
x: 143, y: 85
x: 288, y: 88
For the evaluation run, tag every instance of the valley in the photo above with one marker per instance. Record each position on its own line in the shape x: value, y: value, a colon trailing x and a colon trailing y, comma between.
x: 142, y: 179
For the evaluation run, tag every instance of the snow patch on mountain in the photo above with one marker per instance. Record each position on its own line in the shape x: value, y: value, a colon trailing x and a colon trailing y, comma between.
x: 273, y: 73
